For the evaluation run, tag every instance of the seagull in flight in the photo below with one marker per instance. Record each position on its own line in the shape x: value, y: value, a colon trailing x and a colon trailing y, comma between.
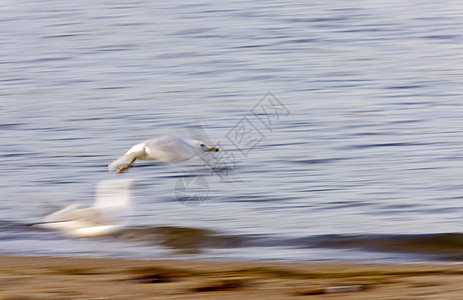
x: 109, y: 214
x: 164, y: 149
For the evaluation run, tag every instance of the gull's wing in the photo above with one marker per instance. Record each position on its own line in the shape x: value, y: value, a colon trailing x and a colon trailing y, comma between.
x: 64, y: 214
x: 113, y: 198
x: 170, y: 148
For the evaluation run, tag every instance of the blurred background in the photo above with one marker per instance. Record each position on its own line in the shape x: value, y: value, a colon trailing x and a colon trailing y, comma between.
x: 364, y: 166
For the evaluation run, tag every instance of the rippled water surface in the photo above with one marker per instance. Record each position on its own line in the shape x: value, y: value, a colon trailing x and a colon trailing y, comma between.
x: 363, y: 162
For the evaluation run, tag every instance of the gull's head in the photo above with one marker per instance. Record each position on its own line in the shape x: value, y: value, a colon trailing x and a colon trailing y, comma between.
x: 203, y: 146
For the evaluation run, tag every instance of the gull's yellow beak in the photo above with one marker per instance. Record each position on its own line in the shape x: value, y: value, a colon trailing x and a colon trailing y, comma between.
x: 212, y: 149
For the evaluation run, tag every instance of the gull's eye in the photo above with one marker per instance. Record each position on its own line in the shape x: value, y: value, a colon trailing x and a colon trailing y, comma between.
x: 202, y: 145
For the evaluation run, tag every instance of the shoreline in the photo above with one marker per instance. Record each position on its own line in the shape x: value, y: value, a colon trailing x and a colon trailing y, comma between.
x: 26, y: 277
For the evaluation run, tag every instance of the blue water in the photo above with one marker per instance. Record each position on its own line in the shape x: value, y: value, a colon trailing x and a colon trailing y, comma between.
x: 367, y: 147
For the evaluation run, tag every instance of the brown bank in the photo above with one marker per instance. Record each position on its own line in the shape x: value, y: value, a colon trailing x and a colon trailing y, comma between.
x: 90, y: 278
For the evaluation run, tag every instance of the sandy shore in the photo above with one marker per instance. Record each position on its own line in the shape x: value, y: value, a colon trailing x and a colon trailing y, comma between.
x: 93, y: 278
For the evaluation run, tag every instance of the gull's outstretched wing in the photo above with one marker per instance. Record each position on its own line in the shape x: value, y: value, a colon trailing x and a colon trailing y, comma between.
x: 170, y: 149
x: 113, y: 198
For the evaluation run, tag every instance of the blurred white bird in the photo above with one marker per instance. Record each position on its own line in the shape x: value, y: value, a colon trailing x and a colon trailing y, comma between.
x: 164, y: 149
x: 108, y: 215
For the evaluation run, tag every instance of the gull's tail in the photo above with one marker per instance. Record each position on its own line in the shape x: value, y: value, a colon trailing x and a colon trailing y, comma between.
x: 121, y: 160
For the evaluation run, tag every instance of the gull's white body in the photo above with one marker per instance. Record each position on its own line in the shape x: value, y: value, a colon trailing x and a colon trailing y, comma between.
x: 107, y: 216
x: 164, y: 149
